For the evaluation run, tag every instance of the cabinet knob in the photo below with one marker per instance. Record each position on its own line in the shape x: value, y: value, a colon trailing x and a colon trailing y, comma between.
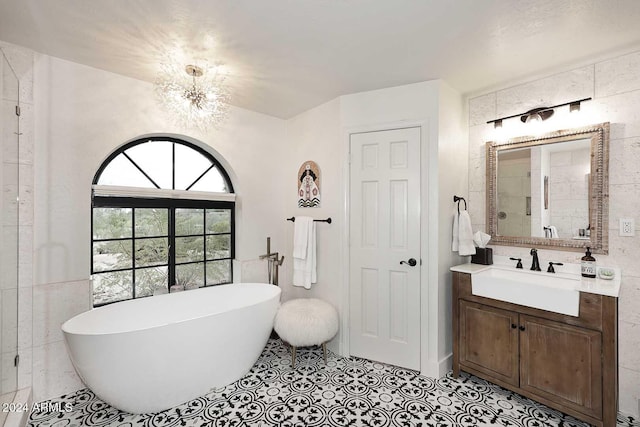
x: 521, y: 328
x: 513, y: 326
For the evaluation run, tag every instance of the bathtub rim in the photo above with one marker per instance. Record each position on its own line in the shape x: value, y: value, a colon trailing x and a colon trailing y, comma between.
x: 65, y: 326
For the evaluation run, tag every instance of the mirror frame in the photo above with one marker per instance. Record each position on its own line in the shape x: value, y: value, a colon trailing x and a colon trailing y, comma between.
x: 598, y: 189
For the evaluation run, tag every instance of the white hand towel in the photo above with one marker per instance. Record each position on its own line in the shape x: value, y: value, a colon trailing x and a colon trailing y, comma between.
x: 465, y: 235
x: 554, y: 231
x: 304, y: 260
x: 455, y: 243
x: 301, y: 227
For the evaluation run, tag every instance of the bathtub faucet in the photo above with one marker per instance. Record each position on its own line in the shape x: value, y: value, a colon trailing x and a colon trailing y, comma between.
x: 274, y: 261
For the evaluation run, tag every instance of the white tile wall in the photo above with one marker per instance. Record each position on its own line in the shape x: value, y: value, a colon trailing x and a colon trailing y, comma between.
x: 25, y: 325
x: 482, y: 109
x: 53, y: 373
x: 8, y: 259
x: 615, y: 86
x: 628, y: 347
x: 9, y: 371
x: 53, y: 304
x: 252, y: 271
x: 9, y: 307
x: 625, y: 155
x: 629, y: 393
x: 556, y: 89
x: 629, y: 301
x: 25, y: 371
x: 27, y: 121
x: 617, y: 109
x: 618, y: 75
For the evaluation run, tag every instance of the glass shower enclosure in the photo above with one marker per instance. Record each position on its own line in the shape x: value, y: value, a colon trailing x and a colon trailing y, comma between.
x: 9, y: 219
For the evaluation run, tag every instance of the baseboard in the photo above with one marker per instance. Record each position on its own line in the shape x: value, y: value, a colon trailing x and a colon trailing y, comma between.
x: 445, y: 364
x: 438, y: 369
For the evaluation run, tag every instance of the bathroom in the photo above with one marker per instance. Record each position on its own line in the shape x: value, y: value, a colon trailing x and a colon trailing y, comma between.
x: 73, y: 116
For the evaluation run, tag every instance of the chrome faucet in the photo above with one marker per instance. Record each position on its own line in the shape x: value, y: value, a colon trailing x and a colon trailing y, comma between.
x: 535, y: 264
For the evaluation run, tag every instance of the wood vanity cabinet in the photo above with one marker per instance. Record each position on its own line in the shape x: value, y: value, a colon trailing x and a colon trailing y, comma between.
x: 568, y: 363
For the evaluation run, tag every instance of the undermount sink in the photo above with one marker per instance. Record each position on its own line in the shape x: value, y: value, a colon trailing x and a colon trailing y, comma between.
x: 532, y: 289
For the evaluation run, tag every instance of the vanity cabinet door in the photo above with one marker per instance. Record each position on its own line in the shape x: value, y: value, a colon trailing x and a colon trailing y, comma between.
x: 562, y: 363
x: 489, y: 341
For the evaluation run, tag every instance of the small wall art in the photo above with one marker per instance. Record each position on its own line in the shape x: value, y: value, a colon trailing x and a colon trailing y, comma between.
x: 309, y: 185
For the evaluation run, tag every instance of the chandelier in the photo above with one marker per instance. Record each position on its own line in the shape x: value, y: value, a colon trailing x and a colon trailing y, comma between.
x: 195, y: 96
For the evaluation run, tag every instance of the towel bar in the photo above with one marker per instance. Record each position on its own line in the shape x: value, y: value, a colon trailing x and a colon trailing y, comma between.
x: 328, y: 220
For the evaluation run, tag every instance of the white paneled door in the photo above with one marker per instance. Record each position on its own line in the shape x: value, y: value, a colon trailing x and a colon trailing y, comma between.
x: 385, y: 246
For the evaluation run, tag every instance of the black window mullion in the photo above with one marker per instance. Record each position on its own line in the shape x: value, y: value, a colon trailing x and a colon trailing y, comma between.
x: 233, y: 236
x: 200, y: 262
x: 198, y: 178
x: 204, y: 240
x: 140, y: 169
x: 92, y: 243
x: 133, y: 252
x: 115, y: 239
x: 171, y: 279
x: 226, y: 233
x: 173, y: 165
x: 115, y: 270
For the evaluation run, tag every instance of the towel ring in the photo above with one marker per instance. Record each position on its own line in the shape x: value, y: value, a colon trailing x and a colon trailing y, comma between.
x: 457, y: 199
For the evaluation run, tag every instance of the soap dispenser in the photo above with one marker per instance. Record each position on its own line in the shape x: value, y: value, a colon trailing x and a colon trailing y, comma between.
x: 588, y: 265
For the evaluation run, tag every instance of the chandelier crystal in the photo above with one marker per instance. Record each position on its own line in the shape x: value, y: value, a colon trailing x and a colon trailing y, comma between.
x: 195, y: 96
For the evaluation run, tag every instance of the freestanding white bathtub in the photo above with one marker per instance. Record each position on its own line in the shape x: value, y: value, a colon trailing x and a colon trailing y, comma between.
x: 151, y: 354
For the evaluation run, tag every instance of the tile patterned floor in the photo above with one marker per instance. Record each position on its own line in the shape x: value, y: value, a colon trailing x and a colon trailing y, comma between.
x: 347, y: 392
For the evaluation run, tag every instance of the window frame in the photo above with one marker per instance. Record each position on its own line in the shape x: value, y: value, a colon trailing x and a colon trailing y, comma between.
x: 163, y: 202
x: 121, y: 150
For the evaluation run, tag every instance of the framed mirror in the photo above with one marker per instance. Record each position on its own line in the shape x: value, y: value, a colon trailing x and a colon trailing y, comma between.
x: 550, y: 191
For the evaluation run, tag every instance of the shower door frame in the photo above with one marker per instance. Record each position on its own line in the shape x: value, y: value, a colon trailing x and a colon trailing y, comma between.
x: 11, y: 163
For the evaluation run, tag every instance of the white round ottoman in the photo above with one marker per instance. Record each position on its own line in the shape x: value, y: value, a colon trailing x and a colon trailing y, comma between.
x: 306, y: 322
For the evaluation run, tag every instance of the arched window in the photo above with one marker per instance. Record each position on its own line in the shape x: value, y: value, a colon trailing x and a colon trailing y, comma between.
x: 162, y: 221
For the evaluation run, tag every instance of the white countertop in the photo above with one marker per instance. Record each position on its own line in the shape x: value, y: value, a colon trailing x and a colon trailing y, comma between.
x: 571, y: 271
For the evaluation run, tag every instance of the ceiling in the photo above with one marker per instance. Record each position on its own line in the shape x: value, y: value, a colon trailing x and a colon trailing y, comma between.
x: 287, y: 56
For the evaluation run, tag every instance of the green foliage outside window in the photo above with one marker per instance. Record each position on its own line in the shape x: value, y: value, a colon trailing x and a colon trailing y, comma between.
x: 131, y: 250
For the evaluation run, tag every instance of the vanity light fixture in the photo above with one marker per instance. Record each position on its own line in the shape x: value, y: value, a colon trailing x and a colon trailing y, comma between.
x: 574, y: 107
x: 539, y: 114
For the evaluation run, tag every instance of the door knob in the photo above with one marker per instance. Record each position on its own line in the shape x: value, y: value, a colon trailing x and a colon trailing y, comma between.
x: 411, y: 262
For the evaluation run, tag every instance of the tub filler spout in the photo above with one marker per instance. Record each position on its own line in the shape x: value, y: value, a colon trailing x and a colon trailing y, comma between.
x: 274, y: 261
